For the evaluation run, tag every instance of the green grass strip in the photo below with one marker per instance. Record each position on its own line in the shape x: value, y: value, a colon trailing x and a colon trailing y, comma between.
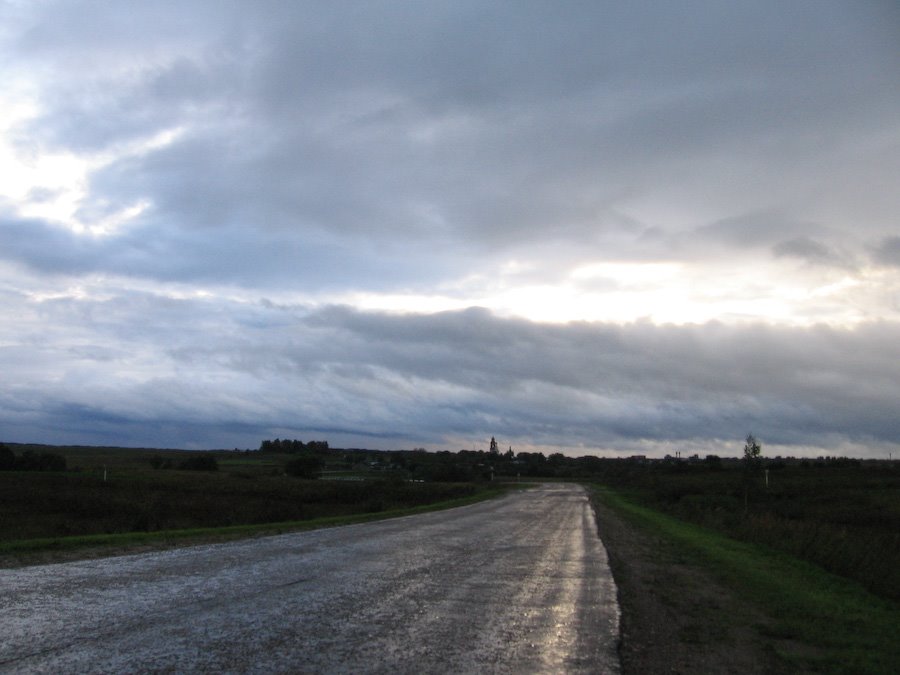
x: 231, y: 532
x: 818, y: 620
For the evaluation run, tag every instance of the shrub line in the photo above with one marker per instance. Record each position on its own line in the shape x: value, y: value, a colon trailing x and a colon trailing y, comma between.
x: 229, y: 532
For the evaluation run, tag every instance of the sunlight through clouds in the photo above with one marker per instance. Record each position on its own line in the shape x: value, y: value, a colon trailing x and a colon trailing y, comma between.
x: 52, y: 185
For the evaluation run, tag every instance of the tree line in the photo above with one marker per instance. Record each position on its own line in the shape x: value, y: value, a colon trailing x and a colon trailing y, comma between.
x: 30, y: 460
x: 293, y: 446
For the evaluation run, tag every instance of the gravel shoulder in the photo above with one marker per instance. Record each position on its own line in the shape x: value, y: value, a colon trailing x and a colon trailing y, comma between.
x: 675, y: 617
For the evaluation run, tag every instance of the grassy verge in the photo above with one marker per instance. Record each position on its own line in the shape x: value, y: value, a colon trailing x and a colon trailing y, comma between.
x: 45, y: 549
x: 817, y: 620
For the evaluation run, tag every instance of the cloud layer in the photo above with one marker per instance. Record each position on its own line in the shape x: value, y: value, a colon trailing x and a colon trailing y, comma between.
x: 192, y: 370
x: 222, y: 220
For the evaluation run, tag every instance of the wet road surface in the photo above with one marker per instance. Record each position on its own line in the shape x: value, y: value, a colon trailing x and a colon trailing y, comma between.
x: 514, y: 585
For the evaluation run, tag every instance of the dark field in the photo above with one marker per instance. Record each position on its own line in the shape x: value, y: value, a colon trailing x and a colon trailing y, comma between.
x: 720, y: 570
x: 107, y: 491
x: 842, y: 516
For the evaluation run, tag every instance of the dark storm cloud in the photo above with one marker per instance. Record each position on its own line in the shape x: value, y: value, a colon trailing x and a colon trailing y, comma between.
x: 888, y: 251
x: 644, y: 381
x: 813, y: 252
x: 747, y: 231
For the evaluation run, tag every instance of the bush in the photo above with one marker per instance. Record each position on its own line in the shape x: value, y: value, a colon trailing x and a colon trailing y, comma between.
x: 304, y: 466
x: 201, y: 463
x: 30, y: 461
x: 48, y: 461
x: 7, y: 459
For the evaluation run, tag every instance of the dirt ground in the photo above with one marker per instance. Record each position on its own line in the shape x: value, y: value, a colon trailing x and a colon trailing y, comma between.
x: 676, y: 618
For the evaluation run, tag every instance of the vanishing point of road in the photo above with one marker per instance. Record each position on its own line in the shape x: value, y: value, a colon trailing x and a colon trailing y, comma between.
x: 518, y: 584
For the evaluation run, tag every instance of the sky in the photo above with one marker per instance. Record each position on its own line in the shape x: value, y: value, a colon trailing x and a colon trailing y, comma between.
x: 582, y: 227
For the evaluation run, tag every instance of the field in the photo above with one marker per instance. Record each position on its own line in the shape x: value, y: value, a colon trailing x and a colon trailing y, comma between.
x: 694, y: 600
x: 841, y: 516
x: 801, y: 573
x: 113, y: 492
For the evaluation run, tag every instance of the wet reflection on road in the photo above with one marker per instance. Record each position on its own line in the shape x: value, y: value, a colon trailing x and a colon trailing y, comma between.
x: 518, y: 584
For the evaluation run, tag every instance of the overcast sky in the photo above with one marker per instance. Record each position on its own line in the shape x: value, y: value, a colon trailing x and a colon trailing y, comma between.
x: 589, y: 227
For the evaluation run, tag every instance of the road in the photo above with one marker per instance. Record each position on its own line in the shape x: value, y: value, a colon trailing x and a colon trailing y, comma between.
x: 518, y: 584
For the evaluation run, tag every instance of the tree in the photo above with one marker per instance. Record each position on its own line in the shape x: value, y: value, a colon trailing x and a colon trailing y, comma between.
x: 752, y: 454
x: 752, y: 463
x: 305, y: 465
x: 713, y: 462
x: 28, y: 461
x: 7, y: 458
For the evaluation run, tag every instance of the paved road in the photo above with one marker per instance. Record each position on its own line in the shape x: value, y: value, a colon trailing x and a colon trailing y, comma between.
x: 514, y: 585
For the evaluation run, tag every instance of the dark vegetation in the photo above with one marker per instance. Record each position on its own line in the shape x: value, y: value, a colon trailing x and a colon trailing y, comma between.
x: 59, y: 504
x: 314, y: 457
x: 842, y: 515
x: 754, y: 565
x: 117, y: 490
x: 30, y: 460
x: 697, y: 601
x: 205, y: 462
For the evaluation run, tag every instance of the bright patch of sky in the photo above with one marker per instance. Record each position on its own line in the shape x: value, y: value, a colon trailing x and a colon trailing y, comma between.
x: 52, y: 185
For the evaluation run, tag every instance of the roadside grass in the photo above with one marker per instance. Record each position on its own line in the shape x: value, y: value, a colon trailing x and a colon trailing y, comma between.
x: 43, y: 549
x: 818, y: 620
x: 117, y: 499
x: 843, y: 518
x: 37, y: 505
